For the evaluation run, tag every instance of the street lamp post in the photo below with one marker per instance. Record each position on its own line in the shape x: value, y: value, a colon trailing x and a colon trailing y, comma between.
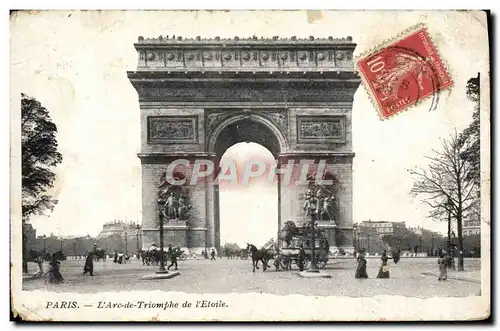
x: 432, y: 245
x: 354, y: 239
x: 357, y: 241
x: 126, y: 240
x: 74, y: 248
x: 313, y: 211
x: 368, y: 243
x: 453, y: 238
x: 448, y: 209
x: 44, y: 244
x: 61, y: 245
x: 137, y: 238
x: 161, y: 268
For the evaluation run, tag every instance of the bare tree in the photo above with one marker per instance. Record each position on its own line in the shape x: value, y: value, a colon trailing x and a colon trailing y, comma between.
x: 446, y: 186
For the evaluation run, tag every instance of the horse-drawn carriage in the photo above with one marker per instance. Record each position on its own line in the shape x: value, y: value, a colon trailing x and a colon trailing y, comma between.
x: 292, y: 238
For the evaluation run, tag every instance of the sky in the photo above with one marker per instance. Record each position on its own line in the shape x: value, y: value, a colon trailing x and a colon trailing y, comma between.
x: 75, y: 64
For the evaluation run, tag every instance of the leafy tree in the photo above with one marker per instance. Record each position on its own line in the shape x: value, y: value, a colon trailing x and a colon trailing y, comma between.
x: 470, y: 137
x: 39, y: 157
x: 446, y: 186
x: 232, y: 246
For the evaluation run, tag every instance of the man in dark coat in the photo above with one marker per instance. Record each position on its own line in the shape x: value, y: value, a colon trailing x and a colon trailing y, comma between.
x: 172, y: 256
x: 212, y: 254
x: 302, y: 258
x: 89, y: 264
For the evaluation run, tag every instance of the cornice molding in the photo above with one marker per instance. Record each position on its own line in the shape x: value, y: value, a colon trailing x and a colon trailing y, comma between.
x: 155, y: 158
x: 218, y: 41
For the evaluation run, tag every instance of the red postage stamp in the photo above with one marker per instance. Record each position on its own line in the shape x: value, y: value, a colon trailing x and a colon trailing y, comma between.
x: 402, y: 74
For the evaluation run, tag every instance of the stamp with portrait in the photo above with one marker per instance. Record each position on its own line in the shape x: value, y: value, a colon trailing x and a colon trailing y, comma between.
x: 401, y: 74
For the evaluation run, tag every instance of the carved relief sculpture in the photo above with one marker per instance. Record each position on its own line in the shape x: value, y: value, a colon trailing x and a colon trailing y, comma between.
x: 170, y: 129
x: 314, y: 128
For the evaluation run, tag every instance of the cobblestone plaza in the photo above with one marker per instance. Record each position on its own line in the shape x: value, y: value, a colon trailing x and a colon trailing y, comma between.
x: 409, y: 278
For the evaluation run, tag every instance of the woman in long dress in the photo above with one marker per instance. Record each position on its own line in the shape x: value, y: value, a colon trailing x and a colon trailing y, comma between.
x: 443, y: 272
x: 383, y: 272
x: 361, y: 269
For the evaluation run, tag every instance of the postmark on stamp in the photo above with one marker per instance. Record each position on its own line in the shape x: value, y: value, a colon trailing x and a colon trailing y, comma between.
x: 398, y: 75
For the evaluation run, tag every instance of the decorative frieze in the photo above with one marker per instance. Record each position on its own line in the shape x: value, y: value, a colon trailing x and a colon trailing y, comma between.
x: 314, y: 129
x: 244, y: 92
x: 277, y: 53
x: 172, y: 130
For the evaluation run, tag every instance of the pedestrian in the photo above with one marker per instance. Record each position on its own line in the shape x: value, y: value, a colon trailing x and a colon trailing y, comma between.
x: 361, y: 268
x: 115, y: 257
x: 212, y: 254
x: 384, y: 268
x: 89, y: 264
x: 302, y: 258
x: 173, y: 257
x: 39, y: 261
x: 443, y: 272
x: 55, y: 276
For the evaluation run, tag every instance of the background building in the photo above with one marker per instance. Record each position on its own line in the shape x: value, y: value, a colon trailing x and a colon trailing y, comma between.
x: 116, y: 235
x: 118, y: 227
x: 374, y: 236
x: 121, y: 236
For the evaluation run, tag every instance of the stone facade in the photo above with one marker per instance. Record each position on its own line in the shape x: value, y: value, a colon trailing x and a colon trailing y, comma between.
x: 199, y: 97
x: 118, y: 228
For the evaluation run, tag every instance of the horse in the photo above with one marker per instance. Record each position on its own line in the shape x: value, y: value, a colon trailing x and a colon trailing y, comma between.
x: 258, y: 255
x: 99, y: 254
x: 46, y: 256
x: 146, y: 257
x: 228, y: 252
x: 34, y: 255
x: 39, y: 257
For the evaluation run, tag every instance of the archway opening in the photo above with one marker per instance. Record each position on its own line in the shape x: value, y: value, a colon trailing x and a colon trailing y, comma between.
x: 248, y: 205
x: 248, y: 208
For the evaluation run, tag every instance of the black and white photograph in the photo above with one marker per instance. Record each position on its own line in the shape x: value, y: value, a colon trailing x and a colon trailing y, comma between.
x: 249, y: 165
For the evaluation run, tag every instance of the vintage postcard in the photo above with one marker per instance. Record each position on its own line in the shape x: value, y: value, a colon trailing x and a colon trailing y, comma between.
x: 250, y: 165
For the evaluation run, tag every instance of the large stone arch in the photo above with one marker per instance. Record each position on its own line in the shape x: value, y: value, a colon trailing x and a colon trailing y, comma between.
x: 278, y: 145
x: 293, y: 96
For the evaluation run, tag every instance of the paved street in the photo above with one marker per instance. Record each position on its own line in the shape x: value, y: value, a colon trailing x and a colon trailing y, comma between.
x: 226, y: 276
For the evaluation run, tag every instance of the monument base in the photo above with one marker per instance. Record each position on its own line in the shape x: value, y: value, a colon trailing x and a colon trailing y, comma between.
x: 161, y: 275
x: 307, y: 274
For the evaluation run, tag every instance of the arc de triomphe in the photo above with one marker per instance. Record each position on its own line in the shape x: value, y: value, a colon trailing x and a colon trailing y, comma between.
x: 199, y: 97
